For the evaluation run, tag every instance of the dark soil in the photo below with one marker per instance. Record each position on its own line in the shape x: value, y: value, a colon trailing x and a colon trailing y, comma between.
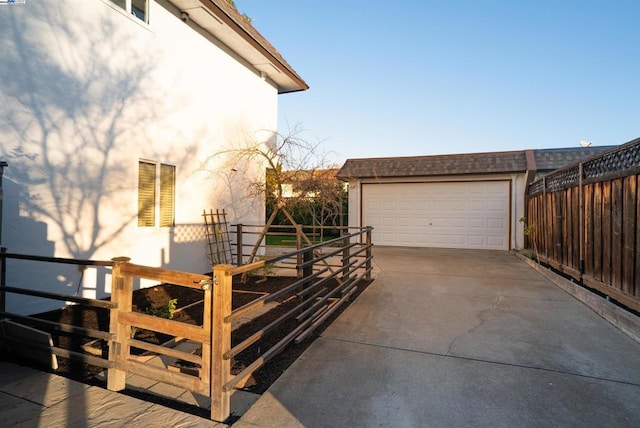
x: 189, y: 311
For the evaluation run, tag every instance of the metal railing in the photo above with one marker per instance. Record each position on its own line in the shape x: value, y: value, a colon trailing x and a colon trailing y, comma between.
x: 329, y: 274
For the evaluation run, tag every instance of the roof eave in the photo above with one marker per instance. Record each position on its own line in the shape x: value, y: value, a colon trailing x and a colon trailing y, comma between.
x: 225, y: 23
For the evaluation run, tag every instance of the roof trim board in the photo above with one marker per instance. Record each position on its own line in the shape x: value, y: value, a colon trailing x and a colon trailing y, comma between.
x: 225, y: 23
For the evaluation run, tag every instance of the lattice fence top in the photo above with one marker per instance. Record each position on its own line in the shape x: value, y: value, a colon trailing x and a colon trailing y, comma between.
x: 620, y: 162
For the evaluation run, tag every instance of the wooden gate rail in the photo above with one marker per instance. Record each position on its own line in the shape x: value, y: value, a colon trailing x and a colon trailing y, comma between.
x: 586, y: 219
x: 123, y: 319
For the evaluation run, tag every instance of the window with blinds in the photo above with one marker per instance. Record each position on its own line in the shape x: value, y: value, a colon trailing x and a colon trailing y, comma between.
x: 167, y: 195
x: 146, y: 194
x: 151, y: 206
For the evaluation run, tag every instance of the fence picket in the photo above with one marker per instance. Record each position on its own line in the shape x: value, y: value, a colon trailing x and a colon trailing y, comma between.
x: 629, y: 228
x: 587, y: 215
x: 588, y: 229
x: 607, y: 241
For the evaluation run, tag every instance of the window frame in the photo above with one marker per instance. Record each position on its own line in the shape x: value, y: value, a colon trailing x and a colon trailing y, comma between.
x: 156, y: 198
x: 129, y: 9
x: 167, y: 195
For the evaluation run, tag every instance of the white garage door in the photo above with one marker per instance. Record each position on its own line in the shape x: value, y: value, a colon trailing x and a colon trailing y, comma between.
x: 449, y: 215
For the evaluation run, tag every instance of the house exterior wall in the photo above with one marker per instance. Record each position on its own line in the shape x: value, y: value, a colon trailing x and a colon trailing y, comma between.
x: 88, y: 91
x: 517, y: 185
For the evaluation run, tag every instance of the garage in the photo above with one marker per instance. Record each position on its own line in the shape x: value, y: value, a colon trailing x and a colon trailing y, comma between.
x: 472, y: 214
x: 467, y: 200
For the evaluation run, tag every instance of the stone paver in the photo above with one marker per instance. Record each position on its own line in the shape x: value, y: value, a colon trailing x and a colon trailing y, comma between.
x: 32, y: 398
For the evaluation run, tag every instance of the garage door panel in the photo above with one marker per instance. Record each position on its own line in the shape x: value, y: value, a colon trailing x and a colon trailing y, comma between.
x: 494, y: 240
x: 495, y: 223
x: 476, y: 222
x: 452, y: 214
x: 476, y: 240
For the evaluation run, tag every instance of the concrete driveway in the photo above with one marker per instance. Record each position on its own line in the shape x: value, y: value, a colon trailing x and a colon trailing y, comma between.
x: 459, y: 338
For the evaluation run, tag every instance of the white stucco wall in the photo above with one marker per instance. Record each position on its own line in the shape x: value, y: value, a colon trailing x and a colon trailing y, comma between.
x: 518, y: 187
x: 86, y: 92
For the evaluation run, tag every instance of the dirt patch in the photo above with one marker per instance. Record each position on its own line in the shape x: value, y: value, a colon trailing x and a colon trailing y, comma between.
x: 189, y: 308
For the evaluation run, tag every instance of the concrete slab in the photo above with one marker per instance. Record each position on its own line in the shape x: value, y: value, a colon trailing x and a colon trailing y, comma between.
x: 345, y: 384
x: 33, y: 398
x: 17, y: 411
x: 522, y: 321
x: 458, y: 337
x: 241, y: 401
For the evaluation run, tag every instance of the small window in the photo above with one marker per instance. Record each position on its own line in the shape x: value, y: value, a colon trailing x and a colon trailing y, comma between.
x: 146, y: 194
x: 167, y: 195
x: 138, y: 8
x: 150, y: 185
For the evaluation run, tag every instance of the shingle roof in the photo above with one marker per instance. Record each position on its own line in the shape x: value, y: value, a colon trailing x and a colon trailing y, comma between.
x: 468, y: 163
x: 552, y: 159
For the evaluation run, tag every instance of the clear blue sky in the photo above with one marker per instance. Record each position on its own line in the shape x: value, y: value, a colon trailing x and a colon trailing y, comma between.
x: 404, y: 78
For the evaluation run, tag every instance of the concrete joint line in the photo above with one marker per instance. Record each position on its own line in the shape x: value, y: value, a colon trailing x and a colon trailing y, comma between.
x: 500, y: 363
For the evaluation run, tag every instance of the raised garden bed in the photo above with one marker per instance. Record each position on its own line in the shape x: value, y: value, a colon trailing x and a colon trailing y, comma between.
x: 189, y: 310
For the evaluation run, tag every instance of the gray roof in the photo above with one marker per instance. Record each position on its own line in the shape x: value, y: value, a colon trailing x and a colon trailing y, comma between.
x: 468, y: 163
x: 552, y: 159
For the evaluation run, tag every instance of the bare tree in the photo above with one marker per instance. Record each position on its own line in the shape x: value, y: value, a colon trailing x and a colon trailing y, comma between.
x: 288, y: 159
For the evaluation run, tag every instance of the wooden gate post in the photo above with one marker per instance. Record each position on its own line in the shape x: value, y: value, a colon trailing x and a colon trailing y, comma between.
x: 121, y: 294
x: 221, y: 342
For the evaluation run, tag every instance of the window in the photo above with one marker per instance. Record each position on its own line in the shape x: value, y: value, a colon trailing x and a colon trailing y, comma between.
x: 138, y: 8
x: 167, y: 195
x: 150, y: 185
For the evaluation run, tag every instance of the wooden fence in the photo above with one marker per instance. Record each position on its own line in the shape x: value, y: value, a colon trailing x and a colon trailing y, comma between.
x: 585, y: 220
x: 317, y: 303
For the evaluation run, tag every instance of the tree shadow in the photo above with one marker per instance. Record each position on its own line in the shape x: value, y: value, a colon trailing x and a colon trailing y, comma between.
x: 73, y: 94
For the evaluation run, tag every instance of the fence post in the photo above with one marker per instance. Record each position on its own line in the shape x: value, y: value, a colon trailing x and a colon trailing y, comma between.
x: 220, y: 342
x: 300, y: 272
x: 3, y: 279
x: 368, y: 253
x: 545, y: 226
x: 346, y: 252
x: 581, y: 224
x: 121, y: 294
x: 307, y: 270
x: 239, y: 256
